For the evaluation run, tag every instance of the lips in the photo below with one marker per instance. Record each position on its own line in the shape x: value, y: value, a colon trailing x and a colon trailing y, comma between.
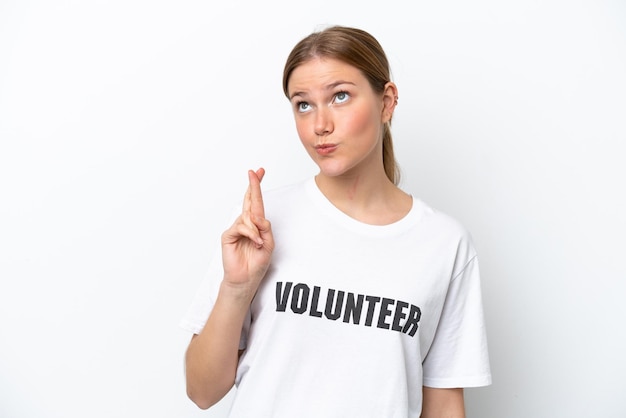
x: 325, y: 149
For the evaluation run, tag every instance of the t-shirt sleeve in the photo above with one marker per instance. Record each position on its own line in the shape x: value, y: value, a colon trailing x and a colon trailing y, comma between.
x: 204, y: 299
x: 458, y: 356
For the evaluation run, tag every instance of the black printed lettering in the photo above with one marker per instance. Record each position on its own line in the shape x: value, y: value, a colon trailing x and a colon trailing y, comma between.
x: 414, y: 317
x: 282, y: 296
x: 394, y: 315
x: 399, y: 315
x: 372, y: 301
x: 330, y: 313
x: 353, y: 308
x: 384, y: 312
x: 314, y: 301
x: 300, y: 298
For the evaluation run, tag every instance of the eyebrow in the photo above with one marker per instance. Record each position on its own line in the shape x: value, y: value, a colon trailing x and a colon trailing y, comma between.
x: 330, y: 86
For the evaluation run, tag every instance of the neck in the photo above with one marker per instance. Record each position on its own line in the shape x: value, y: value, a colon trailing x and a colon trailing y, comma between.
x: 371, y: 199
x: 353, y: 190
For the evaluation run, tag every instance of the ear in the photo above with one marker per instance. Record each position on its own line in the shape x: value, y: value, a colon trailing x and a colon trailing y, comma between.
x: 390, y: 101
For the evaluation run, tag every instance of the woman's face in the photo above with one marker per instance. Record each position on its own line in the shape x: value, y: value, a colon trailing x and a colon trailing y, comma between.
x: 339, y: 118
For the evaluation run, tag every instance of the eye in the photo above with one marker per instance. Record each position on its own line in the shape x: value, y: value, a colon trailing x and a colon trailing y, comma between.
x: 341, y: 97
x: 303, y: 107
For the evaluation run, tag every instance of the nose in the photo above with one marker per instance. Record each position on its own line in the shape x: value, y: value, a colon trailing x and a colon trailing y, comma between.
x: 323, y: 122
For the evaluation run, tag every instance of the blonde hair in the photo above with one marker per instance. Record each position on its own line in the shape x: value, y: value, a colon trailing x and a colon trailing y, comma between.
x: 359, y: 49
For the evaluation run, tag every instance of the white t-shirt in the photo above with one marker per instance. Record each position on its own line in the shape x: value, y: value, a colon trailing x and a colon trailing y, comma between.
x: 352, y: 319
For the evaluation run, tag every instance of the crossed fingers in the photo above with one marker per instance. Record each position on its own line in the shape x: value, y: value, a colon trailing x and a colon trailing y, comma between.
x: 253, y: 208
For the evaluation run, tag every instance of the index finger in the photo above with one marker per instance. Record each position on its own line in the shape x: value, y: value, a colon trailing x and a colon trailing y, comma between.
x: 256, y: 198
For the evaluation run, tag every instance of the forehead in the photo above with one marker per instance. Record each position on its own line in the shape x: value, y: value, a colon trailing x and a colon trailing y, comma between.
x: 323, y: 72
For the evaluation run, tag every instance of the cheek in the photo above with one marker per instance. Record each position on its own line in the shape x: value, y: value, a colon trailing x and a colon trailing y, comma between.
x: 302, y: 129
x: 361, y: 121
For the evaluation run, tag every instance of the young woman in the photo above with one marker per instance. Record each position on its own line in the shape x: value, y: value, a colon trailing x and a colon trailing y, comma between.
x: 358, y: 300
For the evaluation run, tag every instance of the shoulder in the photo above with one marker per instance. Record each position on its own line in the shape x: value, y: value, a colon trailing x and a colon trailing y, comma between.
x: 445, y: 230
x: 441, y: 221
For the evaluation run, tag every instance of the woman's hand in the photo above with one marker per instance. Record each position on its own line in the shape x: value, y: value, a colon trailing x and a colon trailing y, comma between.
x: 248, y: 244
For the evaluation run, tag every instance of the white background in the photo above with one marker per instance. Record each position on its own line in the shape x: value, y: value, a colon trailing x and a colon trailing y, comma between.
x: 127, y: 127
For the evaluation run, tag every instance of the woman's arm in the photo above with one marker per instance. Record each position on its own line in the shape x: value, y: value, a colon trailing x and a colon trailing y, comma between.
x: 247, y: 246
x: 212, y: 356
x: 443, y: 403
